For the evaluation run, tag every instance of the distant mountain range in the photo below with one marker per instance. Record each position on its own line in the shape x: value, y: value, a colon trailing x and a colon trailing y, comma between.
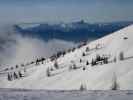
x: 74, y: 31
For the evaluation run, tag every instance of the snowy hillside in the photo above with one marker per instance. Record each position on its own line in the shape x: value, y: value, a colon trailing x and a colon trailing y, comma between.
x: 93, y: 66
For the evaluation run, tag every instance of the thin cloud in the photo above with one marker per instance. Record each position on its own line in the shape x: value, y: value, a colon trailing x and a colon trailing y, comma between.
x: 17, y: 49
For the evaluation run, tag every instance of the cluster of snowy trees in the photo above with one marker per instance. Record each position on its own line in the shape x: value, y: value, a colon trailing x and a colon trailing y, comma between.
x: 48, y: 70
x: 114, y: 85
x: 100, y: 60
x: 104, y: 59
x: 36, y: 62
x: 73, y: 67
x: 39, y: 60
x: 54, y: 57
x: 15, y: 75
x: 62, y: 53
x: 57, y: 55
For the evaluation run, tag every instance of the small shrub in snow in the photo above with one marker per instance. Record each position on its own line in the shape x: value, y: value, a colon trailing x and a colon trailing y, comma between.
x: 15, y: 75
x: 98, y: 58
x: 115, y: 85
x: 125, y: 38
x: 12, y: 68
x: 43, y: 59
x: 9, y: 77
x: 59, y: 53
x: 93, y: 62
x: 115, y: 59
x: 56, y: 65
x: 105, y: 60
x: 16, y: 66
x: 83, y: 87
x: 83, y: 54
x: 32, y: 62
x: 37, y: 62
x: 48, y: 72
x: 87, y: 49
x: 87, y: 63
x: 80, y: 60
x: 121, y: 56
x: 73, y: 49
x: 21, y: 74
x: 22, y: 65
x: 74, y: 66
x: 83, y: 68
x: 51, y: 69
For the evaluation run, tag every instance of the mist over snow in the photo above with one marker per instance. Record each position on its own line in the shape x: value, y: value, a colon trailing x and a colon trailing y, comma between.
x: 29, y: 48
x: 17, y: 49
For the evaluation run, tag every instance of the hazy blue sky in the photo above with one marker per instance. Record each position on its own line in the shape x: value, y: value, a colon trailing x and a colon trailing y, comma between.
x: 26, y: 48
x: 65, y: 10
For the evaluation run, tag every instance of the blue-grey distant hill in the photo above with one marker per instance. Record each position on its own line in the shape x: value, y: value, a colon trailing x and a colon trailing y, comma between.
x: 74, y: 31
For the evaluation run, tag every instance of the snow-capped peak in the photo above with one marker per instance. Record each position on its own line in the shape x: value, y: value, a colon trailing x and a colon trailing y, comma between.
x: 28, y: 25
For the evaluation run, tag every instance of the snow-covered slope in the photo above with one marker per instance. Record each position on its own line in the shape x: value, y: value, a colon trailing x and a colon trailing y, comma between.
x: 97, y: 77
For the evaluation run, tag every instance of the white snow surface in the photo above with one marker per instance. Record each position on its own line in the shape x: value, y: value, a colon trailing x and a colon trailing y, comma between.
x: 97, y: 77
x: 9, y: 94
